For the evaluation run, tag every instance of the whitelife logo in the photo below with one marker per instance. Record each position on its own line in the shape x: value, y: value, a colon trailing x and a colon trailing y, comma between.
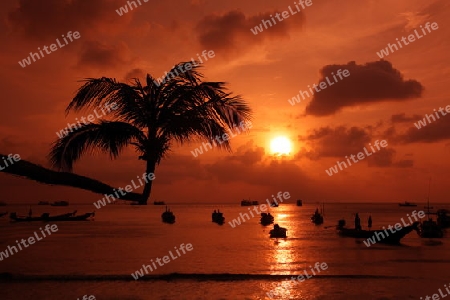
x: 379, y: 235
x: 322, y: 85
x: 411, y: 38
x: 90, y: 118
x: 128, y: 189
x: 187, y: 67
x: 263, y: 207
x: 124, y: 9
x: 11, y: 158
x: 360, y: 156
x: 166, y: 259
x: 423, y: 123
x: 285, y: 14
x: 225, y: 137
x: 71, y: 36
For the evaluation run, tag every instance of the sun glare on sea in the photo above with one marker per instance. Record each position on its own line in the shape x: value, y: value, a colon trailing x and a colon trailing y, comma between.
x: 280, y: 146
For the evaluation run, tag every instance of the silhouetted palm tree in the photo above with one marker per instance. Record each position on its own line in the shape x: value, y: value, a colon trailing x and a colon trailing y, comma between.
x: 151, y: 117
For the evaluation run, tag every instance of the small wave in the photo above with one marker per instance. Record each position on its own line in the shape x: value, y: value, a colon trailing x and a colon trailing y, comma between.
x: 7, y: 277
x: 439, y: 261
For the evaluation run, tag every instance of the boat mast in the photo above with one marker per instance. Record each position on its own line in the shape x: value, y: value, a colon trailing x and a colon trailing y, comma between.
x: 429, y: 187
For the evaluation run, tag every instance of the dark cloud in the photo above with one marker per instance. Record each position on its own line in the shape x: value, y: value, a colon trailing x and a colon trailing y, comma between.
x: 51, y: 18
x: 370, y: 83
x: 98, y: 55
x: 230, y: 33
x: 402, y: 118
x: 335, y: 142
x: 435, y: 130
x: 385, y: 158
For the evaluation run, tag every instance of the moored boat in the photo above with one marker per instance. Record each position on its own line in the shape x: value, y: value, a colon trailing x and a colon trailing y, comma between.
x: 406, y: 203
x: 274, y: 204
x: 168, y: 216
x: 266, y: 219
x: 443, y: 218
x: 299, y: 202
x: 317, y: 217
x: 217, y: 217
x: 159, y: 203
x: 377, y: 236
x: 70, y: 217
x: 45, y: 217
x: 44, y: 203
x: 3, y: 214
x: 430, y: 229
x: 278, y: 232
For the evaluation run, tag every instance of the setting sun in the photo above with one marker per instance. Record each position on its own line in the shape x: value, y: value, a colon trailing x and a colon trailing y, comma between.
x: 280, y: 146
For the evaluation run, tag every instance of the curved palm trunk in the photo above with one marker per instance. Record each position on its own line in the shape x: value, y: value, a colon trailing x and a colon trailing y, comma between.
x: 151, y: 166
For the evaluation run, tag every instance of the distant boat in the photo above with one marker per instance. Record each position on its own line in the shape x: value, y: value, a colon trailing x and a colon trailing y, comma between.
x: 248, y: 203
x: 217, y: 217
x: 3, y: 214
x: 278, y: 232
x: 406, y: 203
x: 159, y: 203
x: 274, y: 204
x: 266, y: 219
x: 44, y: 203
x: 60, y: 203
x: 168, y: 216
x: 2, y: 204
x: 392, y: 238
x: 299, y: 203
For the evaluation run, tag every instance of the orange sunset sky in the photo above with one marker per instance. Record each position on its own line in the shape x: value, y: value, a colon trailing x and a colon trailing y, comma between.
x: 380, y: 100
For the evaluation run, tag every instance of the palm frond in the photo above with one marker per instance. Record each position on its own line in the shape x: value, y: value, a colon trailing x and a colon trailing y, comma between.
x: 105, y: 136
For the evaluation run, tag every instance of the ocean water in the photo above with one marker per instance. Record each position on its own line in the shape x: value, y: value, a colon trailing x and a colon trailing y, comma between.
x: 98, y: 257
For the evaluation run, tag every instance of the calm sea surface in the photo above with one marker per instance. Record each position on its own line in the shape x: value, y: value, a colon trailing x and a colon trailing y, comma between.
x: 98, y: 257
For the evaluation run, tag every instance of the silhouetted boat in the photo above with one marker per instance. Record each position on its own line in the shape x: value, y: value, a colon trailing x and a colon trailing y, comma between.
x: 406, y: 203
x: 266, y: 219
x: 248, y: 203
x: 2, y: 204
x: 299, y: 203
x: 3, y: 214
x: 430, y: 228
x: 443, y: 219
x: 159, y: 203
x: 274, y: 204
x: 278, y: 232
x: 44, y: 203
x: 60, y: 203
x: 317, y: 217
x: 168, y: 216
x: 379, y: 236
x: 46, y: 217
x: 217, y: 217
